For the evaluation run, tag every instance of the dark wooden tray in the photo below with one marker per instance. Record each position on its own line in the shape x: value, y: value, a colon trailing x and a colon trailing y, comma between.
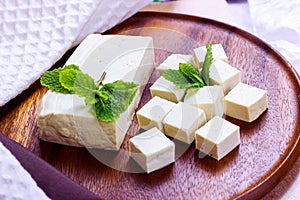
x: 268, y: 148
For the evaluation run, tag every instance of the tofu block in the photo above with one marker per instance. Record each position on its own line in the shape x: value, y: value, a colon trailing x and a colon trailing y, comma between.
x: 153, y: 112
x: 152, y: 150
x: 208, y: 98
x: 172, y: 62
x: 245, y: 102
x: 182, y: 122
x: 217, y: 137
x: 167, y: 90
x: 223, y: 74
x: 66, y: 119
x: 217, y: 50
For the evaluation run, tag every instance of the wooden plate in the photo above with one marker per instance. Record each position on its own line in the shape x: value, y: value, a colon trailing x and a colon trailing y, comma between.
x: 268, y: 148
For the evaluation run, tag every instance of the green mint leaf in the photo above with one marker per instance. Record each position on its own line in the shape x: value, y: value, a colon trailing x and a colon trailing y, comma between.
x: 119, y: 96
x: 67, y: 78
x: 82, y: 84
x: 207, y: 63
x: 124, y: 91
x: 176, y: 77
x: 50, y: 79
x: 190, y: 72
x: 85, y: 87
x: 122, y: 94
x: 72, y: 66
x: 105, y: 110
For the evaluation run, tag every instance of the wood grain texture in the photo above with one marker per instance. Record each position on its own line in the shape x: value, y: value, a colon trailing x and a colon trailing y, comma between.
x: 269, y: 146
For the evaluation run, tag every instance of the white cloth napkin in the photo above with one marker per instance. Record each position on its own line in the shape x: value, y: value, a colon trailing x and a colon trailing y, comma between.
x: 36, y: 33
x: 15, y: 181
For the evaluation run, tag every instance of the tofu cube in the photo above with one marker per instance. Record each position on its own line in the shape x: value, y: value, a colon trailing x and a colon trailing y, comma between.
x: 152, y: 150
x: 223, y: 74
x: 217, y: 137
x: 208, y: 98
x: 217, y: 50
x: 172, y: 62
x: 182, y: 122
x: 245, y: 102
x: 153, y: 112
x: 167, y: 90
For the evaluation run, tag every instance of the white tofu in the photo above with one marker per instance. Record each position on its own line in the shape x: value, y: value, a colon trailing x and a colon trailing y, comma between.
x: 152, y: 150
x: 65, y: 119
x: 223, y: 74
x: 153, y: 112
x: 208, y: 98
x: 167, y: 90
x: 182, y: 122
x: 172, y: 62
x: 217, y: 137
x: 245, y: 102
x: 217, y: 50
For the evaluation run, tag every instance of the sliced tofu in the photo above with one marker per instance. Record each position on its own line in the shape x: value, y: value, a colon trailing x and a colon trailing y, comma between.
x: 153, y: 112
x: 152, y: 150
x: 167, y: 90
x: 172, y: 62
x: 182, y: 122
x: 217, y: 137
x: 65, y: 119
x: 217, y: 50
x: 208, y: 98
x: 245, y: 102
x: 223, y: 74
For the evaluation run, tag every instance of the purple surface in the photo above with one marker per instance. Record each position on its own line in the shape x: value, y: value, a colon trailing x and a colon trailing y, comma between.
x: 51, y: 181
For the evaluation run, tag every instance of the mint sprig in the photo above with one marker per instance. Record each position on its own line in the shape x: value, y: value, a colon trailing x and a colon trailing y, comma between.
x: 108, y: 100
x: 187, y: 76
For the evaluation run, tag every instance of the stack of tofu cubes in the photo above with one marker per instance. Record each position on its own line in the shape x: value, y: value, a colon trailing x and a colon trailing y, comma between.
x: 195, y: 113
